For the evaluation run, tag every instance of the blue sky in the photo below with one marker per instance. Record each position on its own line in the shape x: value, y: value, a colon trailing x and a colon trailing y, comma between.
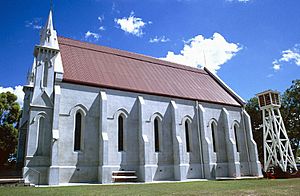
x: 252, y: 45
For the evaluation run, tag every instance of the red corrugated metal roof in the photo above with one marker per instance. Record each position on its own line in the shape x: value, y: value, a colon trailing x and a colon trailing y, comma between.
x: 94, y: 65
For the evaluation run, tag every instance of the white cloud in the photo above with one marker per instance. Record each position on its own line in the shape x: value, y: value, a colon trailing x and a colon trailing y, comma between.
x: 101, y: 18
x: 276, y: 65
x: 102, y: 28
x: 132, y: 24
x: 290, y: 56
x: 17, y: 90
x: 35, y: 23
x: 89, y: 34
x: 211, y: 52
x: 159, y: 39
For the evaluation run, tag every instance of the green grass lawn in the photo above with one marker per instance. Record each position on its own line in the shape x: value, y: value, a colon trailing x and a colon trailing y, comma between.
x: 232, y: 187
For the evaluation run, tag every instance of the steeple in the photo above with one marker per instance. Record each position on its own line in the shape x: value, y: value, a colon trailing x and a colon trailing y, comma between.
x: 48, y: 34
x: 47, y: 62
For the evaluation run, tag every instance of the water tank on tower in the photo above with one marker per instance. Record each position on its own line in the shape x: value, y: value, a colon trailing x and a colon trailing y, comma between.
x: 277, y: 148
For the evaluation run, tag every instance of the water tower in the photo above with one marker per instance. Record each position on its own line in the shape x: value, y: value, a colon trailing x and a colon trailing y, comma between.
x: 277, y: 148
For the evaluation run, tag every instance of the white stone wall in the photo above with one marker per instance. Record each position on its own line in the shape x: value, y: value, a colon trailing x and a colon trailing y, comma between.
x: 172, y: 162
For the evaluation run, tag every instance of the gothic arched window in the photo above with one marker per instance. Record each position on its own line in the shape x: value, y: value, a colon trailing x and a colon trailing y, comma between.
x: 213, y: 130
x: 78, y: 130
x: 187, y: 135
x: 41, y: 138
x: 156, y: 134
x: 120, y: 133
x: 235, y: 129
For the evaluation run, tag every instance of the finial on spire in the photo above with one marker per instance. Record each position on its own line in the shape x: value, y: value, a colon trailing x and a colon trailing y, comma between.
x: 51, y: 5
x: 204, y: 58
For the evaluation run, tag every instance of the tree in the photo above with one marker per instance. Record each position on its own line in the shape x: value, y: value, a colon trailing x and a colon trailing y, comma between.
x: 9, y: 116
x: 291, y: 114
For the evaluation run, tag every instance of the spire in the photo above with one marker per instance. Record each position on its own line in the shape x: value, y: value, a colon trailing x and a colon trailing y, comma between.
x: 48, y: 34
x: 49, y: 24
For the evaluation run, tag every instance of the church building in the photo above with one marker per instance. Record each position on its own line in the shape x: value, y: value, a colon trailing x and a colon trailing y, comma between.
x: 94, y: 114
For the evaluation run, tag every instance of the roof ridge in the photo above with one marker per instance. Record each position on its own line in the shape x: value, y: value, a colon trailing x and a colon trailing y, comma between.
x: 115, y: 52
